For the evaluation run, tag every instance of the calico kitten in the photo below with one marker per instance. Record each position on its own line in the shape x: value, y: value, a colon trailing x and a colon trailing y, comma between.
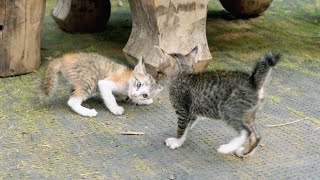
x: 231, y: 96
x: 91, y: 74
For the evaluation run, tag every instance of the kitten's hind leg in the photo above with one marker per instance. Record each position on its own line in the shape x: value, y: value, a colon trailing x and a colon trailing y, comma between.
x: 234, y: 144
x: 75, y: 103
x: 182, y: 130
x: 234, y: 114
x: 254, y: 138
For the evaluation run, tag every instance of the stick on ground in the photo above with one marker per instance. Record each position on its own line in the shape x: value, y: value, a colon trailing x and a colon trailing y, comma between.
x: 131, y: 133
x: 86, y: 174
x: 288, y: 123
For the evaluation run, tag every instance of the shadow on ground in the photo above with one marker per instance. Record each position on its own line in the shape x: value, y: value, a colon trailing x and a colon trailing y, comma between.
x: 51, y: 141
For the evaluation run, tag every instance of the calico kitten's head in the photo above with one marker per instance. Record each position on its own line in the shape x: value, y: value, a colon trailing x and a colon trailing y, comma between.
x: 175, y: 63
x: 142, y: 87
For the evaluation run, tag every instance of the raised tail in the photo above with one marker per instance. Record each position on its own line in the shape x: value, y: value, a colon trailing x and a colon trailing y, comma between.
x: 50, y: 79
x: 261, y: 70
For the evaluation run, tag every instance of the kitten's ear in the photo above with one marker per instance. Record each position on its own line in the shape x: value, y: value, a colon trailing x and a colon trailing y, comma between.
x: 160, y: 51
x: 192, y: 55
x: 163, y: 62
x: 140, y: 67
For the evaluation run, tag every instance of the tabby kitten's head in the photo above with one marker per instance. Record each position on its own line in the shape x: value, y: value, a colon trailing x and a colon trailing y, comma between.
x: 175, y: 63
x: 142, y: 86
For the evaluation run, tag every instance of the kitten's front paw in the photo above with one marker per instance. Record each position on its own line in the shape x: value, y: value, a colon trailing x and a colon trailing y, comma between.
x: 117, y: 110
x: 173, y: 143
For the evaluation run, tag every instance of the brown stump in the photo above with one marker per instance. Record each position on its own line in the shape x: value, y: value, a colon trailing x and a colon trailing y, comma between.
x: 176, y: 26
x: 83, y: 16
x: 245, y: 8
x: 20, y: 28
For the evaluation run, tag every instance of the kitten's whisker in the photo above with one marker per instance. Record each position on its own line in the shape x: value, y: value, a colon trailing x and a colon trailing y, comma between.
x: 132, y: 104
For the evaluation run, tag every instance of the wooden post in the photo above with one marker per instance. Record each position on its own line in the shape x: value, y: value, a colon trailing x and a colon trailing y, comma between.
x: 20, y: 28
x: 83, y: 16
x: 176, y: 26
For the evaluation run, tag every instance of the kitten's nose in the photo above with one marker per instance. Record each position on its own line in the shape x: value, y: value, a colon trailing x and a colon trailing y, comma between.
x: 134, y: 95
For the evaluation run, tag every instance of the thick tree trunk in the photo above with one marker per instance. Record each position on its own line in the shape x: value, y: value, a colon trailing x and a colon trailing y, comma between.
x: 83, y: 16
x: 176, y: 26
x: 20, y: 28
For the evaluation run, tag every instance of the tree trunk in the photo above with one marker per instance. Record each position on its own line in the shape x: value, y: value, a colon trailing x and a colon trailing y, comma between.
x: 20, y: 28
x: 176, y: 26
x: 83, y: 16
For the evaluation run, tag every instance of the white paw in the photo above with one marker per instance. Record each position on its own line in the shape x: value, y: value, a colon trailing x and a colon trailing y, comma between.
x: 117, y: 110
x: 173, y: 143
x: 239, y: 152
x: 89, y: 113
x: 92, y: 113
x: 226, y: 149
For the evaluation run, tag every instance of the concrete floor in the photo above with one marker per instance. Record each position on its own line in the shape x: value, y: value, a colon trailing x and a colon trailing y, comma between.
x: 51, y: 141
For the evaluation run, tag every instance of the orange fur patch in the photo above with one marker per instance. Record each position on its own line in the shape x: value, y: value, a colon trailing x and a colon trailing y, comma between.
x: 120, y: 77
x: 70, y: 59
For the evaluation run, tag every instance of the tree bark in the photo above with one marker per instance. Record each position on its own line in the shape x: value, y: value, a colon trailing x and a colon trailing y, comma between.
x: 83, y: 16
x: 20, y: 29
x: 176, y: 26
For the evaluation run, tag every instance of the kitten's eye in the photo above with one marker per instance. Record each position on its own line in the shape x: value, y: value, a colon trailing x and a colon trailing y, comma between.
x: 138, y: 84
x: 145, y: 95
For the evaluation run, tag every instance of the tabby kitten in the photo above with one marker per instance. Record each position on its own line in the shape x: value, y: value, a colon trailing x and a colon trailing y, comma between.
x: 231, y: 96
x: 91, y: 74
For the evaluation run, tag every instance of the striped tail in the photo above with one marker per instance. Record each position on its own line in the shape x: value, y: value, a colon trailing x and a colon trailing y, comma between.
x: 261, y: 70
x: 50, y: 79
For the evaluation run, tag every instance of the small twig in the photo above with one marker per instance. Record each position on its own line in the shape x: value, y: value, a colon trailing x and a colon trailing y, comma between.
x: 318, y: 128
x: 104, y: 125
x: 121, y: 117
x: 89, y: 173
x: 288, y: 123
x: 45, y: 145
x: 132, y: 133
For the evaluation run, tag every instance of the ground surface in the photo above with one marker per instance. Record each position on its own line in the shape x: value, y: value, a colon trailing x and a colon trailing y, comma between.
x: 51, y: 141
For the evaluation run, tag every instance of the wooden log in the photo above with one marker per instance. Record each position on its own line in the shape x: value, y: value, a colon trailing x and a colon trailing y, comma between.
x: 20, y: 29
x: 176, y: 26
x: 83, y: 16
x: 245, y: 8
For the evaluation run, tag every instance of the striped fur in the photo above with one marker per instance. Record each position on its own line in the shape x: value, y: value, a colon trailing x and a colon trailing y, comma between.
x: 228, y: 95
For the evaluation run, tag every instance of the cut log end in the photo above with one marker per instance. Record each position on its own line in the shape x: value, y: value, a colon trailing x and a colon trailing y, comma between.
x: 85, y: 16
